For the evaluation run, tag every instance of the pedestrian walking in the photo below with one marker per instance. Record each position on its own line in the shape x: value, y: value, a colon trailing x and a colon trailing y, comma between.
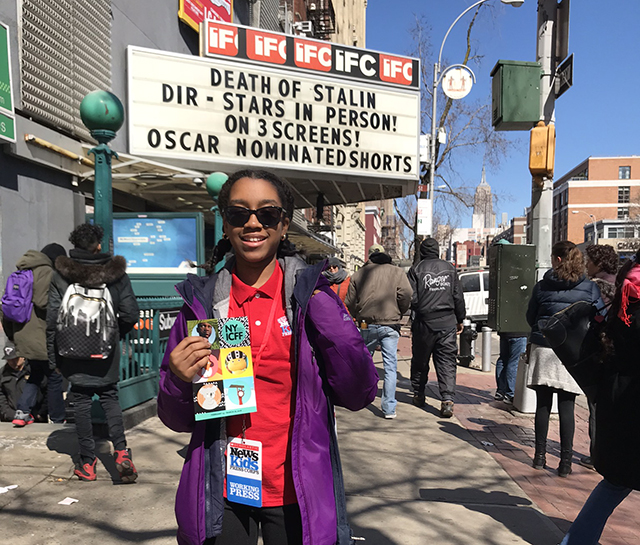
x: 565, y: 283
x: 616, y: 380
x: 378, y: 296
x: 91, y: 303
x: 307, y: 359
x: 602, y: 267
x: 512, y: 346
x: 29, y: 336
x: 439, y: 309
x: 338, y: 277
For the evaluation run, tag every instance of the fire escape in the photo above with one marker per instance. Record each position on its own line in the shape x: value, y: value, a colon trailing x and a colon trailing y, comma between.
x: 323, y: 17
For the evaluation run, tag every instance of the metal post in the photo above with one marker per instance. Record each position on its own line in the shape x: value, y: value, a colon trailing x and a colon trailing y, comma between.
x: 103, y: 194
x: 432, y: 143
x: 103, y: 114
x: 542, y: 195
x: 486, y: 349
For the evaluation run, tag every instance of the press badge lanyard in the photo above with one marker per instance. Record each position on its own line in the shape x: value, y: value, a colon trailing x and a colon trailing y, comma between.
x: 244, y: 456
x: 272, y: 313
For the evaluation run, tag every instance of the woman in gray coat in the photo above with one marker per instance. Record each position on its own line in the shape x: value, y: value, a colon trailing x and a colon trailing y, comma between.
x: 564, y: 284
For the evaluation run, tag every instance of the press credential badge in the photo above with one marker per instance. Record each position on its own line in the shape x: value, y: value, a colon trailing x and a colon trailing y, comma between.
x: 244, y: 471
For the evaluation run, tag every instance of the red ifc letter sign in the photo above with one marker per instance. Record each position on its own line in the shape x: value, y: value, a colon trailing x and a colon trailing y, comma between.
x: 266, y: 47
x: 312, y: 55
x: 396, y: 70
x: 223, y: 40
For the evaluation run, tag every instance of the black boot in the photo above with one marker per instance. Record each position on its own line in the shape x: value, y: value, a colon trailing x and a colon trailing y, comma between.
x: 540, y: 456
x: 564, y: 469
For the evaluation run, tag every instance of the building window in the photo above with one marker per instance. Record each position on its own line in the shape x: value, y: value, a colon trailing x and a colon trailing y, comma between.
x: 623, y: 213
x: 626, y: 231
x: 624, y: 173
x: 623, y: 194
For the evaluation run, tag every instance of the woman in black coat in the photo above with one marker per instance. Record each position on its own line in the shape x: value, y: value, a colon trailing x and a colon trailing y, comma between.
x: 564, y: 284
x: 617, y: 393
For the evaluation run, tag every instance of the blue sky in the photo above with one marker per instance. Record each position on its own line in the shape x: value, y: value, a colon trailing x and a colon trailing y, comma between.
x: 599, y: 116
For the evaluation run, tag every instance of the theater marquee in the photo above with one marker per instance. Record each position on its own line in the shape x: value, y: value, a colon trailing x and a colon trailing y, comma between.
x: 230, y: 112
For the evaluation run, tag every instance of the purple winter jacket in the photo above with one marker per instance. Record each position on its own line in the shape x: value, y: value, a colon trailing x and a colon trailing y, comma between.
x: 322, y: 327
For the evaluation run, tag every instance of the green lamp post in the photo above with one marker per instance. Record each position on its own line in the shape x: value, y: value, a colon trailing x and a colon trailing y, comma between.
x: 103, y: 114
x: 214, y: 184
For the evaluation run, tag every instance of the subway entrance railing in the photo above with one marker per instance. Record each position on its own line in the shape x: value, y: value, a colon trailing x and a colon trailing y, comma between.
x: 142, y: 350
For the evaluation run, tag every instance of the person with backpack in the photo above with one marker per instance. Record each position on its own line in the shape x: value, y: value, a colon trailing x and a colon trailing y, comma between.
x: 94, y: 285
x: 24, y: 312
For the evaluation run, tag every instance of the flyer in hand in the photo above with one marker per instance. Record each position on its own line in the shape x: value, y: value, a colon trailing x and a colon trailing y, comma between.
x: 225, y: 387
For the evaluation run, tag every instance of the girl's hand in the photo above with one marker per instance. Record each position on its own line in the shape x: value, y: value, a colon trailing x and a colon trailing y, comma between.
x: 189, y: 356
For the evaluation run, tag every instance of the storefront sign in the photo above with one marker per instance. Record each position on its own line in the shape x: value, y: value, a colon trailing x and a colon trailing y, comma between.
x: 236, y: 113
x: 194, y: 12
x: 273, y: 48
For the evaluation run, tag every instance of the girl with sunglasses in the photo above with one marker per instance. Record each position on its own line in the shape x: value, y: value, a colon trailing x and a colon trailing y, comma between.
x: 303, y: 365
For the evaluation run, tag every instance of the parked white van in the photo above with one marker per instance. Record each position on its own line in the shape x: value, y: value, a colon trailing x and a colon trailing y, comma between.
x: 475, y: 286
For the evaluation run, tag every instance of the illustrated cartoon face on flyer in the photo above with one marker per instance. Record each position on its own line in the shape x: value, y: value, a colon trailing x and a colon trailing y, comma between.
x: 212, y: 371
x: 209, y: 398
x: 236, y: 363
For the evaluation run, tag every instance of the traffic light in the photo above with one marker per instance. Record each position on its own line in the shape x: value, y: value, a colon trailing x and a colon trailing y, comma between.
x: 542, y: 150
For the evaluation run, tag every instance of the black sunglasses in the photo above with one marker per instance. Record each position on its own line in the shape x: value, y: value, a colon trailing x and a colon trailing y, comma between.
x: 268, y: 216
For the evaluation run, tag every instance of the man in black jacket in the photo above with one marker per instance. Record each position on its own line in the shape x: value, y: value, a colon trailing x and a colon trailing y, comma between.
x: 438, y: 308
x: 89, y: 268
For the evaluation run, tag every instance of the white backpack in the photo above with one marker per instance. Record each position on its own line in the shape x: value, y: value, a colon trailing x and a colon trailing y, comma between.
x: 87, y: 327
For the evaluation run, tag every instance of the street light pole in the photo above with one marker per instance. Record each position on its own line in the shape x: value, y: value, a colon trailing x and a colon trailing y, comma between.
x: 103, y: 114
x: 434, y: 108
x: 593, y: 223
x: 542, y: 193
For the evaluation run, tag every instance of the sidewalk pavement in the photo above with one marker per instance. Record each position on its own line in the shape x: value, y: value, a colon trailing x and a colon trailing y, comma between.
x: 413, y: 480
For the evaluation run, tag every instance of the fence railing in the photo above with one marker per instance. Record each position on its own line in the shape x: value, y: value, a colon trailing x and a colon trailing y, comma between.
x: 142, y: 349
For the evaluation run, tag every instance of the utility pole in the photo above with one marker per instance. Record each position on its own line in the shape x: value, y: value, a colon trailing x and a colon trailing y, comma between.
x: 542, y: 188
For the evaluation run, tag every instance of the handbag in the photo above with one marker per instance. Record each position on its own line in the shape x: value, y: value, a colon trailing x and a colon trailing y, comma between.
x: 574, y: 335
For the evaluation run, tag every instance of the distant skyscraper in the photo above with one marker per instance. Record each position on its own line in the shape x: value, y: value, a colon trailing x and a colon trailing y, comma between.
x: 483, y: 216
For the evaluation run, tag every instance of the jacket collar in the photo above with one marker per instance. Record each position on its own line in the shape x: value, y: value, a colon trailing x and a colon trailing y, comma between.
x: 92, y: 273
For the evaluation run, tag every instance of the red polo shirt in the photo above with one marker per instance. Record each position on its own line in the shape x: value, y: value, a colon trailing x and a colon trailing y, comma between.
x: 274, y: 382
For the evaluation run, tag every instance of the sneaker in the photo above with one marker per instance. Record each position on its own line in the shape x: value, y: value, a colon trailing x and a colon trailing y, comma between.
x: 390, y: 416
x: 124, y: 465
x: 587, y: 462
x: 446, y: 409
x: 499, y: 396
x: 22, y: 419
x: 508, y: 400
x: 418, y: 400
x: 87, y: 471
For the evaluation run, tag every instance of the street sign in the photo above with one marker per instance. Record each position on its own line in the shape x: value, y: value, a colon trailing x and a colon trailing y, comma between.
x: 7, y: 122
x: 425, y: 217
x: 6, y: 102
x: 564, y: 76
x: 457, y: 82
x: 7, y: 128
